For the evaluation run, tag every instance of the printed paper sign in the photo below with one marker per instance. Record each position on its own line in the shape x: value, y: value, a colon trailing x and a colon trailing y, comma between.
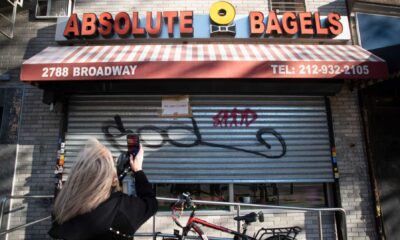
x: 177, y: 106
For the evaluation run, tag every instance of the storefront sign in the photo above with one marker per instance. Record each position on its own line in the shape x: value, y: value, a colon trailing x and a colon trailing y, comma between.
x: 151, y: 70
x: 222, y: 21
x: 84, y: 71
x: 125, y: 25
x: 189, y: 61
x: 306, y: 24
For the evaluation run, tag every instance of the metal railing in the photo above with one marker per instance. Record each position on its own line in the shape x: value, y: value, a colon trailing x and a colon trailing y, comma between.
x: 158, y: 234
x: 3, y: 204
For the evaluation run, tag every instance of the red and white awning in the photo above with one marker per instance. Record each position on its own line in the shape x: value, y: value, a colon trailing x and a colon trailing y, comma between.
x: 172, y: 61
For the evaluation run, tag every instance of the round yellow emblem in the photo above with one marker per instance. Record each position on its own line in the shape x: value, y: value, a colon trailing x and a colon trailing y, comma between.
x: 222, y: 13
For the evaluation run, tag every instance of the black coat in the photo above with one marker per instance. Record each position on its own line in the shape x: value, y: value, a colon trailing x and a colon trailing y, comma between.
x: 116, y: 218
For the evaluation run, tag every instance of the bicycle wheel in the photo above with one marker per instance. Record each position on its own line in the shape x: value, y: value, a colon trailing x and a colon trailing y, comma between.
x: 279, y: 237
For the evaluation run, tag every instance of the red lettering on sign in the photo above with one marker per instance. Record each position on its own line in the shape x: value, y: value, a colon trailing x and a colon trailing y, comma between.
x: 106, y: 24
x: 234, y: 118
x: 306, y: 26
x: 153, y: 31
x: 273, y: 27
x: 321, y: 31
x: 72, y: 28
x: 289, y: 23
x: 136, y: 30
x: 186, y: 25
x: 122, y: 24
x: 170, y: 18
x: 336, y: 26
x: 89, y: 28
x: 257, y: 27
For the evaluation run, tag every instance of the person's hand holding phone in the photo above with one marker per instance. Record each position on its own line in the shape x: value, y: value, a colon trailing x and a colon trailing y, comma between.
x: 136, y: 163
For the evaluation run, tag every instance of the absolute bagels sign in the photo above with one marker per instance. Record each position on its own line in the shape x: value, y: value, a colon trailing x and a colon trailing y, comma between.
x: 222, y: 21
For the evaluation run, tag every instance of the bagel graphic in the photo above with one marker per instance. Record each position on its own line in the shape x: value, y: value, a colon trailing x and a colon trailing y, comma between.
x: 222, y: 15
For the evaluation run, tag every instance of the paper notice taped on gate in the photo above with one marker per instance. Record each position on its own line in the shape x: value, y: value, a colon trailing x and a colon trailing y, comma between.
x: 175, y: 106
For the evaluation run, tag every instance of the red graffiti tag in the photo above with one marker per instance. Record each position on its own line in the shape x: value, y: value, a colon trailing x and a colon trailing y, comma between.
x: 234, y: 118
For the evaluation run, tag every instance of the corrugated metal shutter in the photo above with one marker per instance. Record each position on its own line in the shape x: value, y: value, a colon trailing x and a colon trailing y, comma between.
x: 224, y: 148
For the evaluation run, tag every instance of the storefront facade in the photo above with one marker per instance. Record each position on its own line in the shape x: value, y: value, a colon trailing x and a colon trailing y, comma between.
x: 270, y: 120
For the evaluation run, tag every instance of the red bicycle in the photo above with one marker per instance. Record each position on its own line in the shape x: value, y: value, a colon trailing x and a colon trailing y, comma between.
x: 185, y: 202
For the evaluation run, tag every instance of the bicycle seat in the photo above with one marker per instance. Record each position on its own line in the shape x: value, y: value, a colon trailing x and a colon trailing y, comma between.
x: 248, y: 218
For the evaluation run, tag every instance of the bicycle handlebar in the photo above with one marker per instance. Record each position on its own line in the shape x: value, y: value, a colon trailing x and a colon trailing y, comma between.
x: 186, y: 199
x: 184, y: 202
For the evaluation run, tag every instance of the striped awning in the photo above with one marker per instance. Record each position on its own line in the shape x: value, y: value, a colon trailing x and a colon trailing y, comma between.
x: 172, y: 61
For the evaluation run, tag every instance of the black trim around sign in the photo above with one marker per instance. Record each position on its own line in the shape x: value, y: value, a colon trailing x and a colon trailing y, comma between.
x: 188, y: 86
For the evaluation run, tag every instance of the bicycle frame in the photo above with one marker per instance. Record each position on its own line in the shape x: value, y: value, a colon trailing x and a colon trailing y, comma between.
x: 193, y: 221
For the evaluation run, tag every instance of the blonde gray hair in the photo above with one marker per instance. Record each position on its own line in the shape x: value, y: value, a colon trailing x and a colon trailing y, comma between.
x: 89, y: 183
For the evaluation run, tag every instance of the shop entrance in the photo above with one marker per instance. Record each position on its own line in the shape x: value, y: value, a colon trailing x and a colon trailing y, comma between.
x: 264, y: 149
x: 382, y: 105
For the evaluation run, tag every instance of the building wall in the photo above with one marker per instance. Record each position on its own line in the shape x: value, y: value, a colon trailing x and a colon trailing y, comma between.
x: 199, y: 7
x: 38, y: 129
x: 355, y: 190
x: 30, y: 37
x: 27, y: 130
x: 36, y: 159
x: 10, y: 106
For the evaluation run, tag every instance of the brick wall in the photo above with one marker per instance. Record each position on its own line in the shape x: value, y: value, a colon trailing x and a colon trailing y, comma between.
x: 326, y: 6
x: 37, y: 127
x: 355, y: 187
x: 36, y: 158
x: 198, y: 6
x: 30, y: 37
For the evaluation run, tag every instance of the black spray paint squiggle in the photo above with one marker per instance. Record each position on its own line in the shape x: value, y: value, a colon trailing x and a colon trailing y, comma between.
x: 164, y: 133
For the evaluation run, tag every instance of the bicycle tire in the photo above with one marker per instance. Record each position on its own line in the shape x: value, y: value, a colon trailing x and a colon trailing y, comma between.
x: 279, y: 237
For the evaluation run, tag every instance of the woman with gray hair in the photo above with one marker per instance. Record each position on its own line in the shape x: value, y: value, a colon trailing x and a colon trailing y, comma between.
x: 89, y: 206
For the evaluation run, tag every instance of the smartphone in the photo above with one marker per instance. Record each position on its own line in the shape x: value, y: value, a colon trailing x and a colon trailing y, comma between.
x: 133, y: 144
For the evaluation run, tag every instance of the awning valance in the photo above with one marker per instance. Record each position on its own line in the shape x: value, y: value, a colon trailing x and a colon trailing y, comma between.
x: 174, y: 61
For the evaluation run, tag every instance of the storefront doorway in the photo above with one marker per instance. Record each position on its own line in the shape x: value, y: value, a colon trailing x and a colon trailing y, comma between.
x: 382, y: 112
